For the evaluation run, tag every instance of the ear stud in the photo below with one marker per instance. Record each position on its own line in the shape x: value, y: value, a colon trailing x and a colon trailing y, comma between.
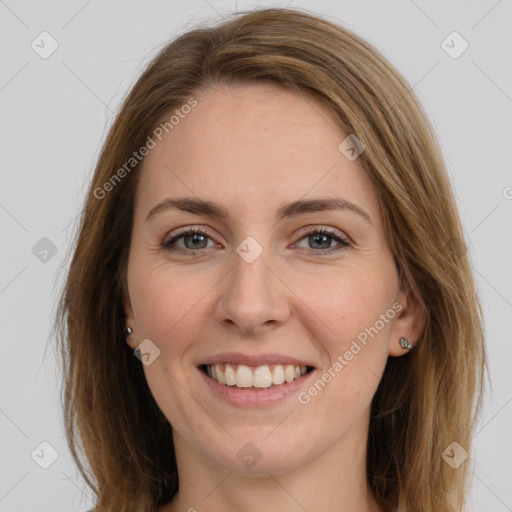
x: 405, y: 344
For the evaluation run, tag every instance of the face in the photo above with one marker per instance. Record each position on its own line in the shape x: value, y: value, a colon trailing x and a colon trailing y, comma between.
x: 264, y: 287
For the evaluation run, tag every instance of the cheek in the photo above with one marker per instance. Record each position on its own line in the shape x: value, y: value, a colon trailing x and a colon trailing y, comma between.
x: 166, y: 303
x: 156, y: 303
x: 346, y: 302
x: 350, y: 315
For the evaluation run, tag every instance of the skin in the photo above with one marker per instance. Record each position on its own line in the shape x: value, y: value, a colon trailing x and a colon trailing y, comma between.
x: 251, y: 149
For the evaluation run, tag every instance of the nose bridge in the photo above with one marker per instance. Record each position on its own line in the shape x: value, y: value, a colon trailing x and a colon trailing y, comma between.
x: 252, y: 295
x: 250, y: 274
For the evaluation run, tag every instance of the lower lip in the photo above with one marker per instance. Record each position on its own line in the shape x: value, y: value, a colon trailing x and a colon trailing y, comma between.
x: 255, y: 397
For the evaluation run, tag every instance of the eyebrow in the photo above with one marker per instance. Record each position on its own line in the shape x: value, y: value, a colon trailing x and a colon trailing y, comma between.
x: 201, y: 207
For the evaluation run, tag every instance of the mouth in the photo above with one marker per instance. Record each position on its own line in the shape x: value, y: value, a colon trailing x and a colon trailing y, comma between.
x: 262, y: 377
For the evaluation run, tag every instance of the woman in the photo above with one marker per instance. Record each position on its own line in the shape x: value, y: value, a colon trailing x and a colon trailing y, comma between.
x: 271, y: 232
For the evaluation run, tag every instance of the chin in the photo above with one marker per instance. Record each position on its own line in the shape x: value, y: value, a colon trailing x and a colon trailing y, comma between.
x: 249, y: 455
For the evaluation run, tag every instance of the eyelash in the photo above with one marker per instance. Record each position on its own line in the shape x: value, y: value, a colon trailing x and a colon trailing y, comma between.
x: 343, y: 242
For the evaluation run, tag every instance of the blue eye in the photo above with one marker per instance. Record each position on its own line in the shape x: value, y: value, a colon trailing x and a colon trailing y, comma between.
x: 197, y: 236
x: 320, y: 236
x: 196, y: 239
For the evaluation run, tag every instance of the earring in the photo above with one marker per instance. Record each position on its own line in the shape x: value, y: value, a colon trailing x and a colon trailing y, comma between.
x: 128, y: 331
x: 405, y: 344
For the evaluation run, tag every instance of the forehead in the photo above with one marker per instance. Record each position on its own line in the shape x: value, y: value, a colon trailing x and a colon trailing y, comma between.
x: 253, y: 145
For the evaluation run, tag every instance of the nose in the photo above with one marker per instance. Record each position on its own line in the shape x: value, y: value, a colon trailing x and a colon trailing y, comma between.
x: 253, y: 297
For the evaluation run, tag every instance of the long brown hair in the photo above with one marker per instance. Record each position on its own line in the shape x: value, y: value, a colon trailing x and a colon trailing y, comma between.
x: 425, y: 401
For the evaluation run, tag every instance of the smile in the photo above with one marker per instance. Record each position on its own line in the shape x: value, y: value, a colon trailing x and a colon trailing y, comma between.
x: 256, y: 377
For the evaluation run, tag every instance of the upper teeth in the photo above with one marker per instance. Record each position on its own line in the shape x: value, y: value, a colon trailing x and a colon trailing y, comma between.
x: 244, y: 376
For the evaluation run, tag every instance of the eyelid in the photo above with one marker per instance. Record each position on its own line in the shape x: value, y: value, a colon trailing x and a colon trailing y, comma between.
x: 343, y: 241
x: 303, y: 231
x: 185, y: 230
x: 320, y: 227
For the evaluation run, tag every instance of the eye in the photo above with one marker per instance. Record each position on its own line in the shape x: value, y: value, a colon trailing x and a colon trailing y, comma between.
x: 321, y: 238
x: 195, y: 239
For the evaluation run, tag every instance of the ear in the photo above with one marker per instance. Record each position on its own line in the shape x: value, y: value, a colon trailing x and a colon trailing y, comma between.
x: 410, y: 323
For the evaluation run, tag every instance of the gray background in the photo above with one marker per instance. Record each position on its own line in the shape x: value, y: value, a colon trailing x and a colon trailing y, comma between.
x: 55, y: 113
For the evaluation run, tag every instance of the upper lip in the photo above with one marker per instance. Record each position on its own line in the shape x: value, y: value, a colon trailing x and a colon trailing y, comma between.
x: 254, y: 360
